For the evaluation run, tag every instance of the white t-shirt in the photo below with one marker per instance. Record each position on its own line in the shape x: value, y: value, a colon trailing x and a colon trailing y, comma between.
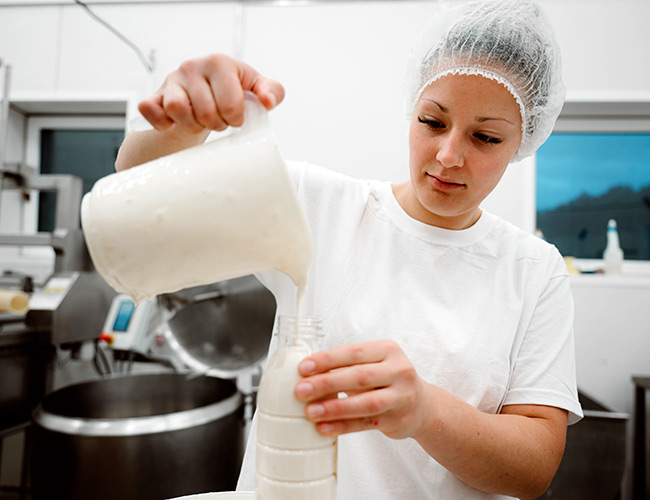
x: 485, y: 313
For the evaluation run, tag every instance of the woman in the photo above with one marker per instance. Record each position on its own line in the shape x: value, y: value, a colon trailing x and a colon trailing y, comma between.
x: 449, y: 329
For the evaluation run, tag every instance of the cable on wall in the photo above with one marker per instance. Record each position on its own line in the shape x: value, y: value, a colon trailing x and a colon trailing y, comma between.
x: 145, y: 61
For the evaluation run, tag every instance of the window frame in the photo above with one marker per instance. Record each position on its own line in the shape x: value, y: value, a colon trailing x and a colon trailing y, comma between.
x: 35, y: 111
x: 604, y: 114
x: 34, y: 126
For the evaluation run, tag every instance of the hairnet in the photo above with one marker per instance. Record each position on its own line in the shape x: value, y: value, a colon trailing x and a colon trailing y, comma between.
x: 509, y: 41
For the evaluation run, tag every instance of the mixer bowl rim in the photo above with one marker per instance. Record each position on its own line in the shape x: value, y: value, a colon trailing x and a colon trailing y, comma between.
x: 137, y: 426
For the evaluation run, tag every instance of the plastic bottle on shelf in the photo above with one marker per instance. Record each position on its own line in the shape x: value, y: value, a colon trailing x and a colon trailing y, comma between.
x: 294, y: 461
x: 613, y: 255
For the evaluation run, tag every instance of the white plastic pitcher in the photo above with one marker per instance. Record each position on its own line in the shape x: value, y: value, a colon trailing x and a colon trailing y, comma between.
x: 212, y: 212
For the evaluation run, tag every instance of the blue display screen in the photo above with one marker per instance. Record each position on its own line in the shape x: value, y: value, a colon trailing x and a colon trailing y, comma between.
x: 124, y: 314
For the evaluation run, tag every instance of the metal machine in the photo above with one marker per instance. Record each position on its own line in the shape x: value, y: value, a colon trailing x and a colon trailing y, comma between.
x: 68, y: 308
x: 165, y: 433
x: 72, y: 304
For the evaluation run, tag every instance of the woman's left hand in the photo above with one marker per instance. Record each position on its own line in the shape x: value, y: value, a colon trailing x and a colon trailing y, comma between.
x: 384, y: 392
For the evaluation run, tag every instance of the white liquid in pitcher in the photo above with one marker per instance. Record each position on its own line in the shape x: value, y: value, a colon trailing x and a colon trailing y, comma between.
x: 199, y: 216
x: 294, y: 461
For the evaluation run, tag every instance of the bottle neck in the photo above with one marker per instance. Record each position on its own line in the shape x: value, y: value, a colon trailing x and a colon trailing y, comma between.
x: 305, y: 329
x: 612, y: 238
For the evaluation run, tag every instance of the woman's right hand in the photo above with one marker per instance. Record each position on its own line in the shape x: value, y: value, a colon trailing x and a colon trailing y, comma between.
x: 207, y: 93
x: 203, y: 94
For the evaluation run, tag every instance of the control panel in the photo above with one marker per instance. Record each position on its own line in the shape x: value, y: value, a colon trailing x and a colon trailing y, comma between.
x: 127, y: 324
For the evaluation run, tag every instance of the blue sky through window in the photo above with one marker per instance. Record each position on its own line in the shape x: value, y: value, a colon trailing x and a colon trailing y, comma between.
x: 572, y: 164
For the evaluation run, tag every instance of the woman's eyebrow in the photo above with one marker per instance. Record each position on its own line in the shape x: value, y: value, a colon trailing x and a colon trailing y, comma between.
x: 442, y: 108
x: 481, y: 119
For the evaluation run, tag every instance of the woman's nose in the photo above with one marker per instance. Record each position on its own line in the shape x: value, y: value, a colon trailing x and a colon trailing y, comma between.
x: 451, y: 152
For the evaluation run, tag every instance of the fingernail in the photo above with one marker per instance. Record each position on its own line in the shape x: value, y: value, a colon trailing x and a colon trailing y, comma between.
x: 273, y: 99
x: 307, y: 366
x: 304, y: 389
x: 315, y: 410
x: 325, y: 428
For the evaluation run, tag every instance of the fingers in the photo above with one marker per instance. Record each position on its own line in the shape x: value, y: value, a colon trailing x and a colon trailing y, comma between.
x: 339, y: 427
x: 208, y: 93
x: 347, y: 355
x: 175, y: 104
x: 269, y: 92
x: 383, y: 388
x: 351, y: 380
x: 152, y: 109
x: 353, y: 368
x: 227, y: 90
x: 201, y: 82
x: 375, y: 410
x: 397, y: 411
x: 180, y: 107
x: 348, y: 368
x: 367, y: 404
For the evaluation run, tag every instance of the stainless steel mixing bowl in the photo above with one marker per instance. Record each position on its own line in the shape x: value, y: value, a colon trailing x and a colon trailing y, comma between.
x: 150, y: 436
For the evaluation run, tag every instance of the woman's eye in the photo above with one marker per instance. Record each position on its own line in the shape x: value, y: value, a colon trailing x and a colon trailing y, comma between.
x: 430, y: 122
x: 438, y: 125
x: 487, y: 139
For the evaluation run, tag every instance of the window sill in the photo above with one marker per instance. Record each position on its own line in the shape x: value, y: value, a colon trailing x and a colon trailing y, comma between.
x: 634, y: 274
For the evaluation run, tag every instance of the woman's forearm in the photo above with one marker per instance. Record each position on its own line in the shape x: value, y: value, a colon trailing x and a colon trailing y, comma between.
x: 141, y: 147
x: 515, y: 453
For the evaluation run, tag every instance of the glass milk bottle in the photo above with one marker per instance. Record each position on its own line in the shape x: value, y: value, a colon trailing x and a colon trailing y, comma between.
x: 294, y: 461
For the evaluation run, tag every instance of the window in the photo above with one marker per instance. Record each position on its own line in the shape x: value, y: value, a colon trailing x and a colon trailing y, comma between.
x: 80, y: 145
x: 53, y: 137
x: 88, y: 154
x: 596, y: 167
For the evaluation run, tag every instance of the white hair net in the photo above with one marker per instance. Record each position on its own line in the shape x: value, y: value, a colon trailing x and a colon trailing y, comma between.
x: 509, y: 41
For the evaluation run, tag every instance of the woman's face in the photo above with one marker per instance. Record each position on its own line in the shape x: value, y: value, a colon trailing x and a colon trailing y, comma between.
x: 463, y: 133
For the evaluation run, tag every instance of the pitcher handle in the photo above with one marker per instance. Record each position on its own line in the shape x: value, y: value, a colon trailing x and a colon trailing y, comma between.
x: 256, y: 120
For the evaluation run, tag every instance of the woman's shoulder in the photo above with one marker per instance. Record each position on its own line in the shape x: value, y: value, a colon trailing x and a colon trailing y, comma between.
x: 318, y: 173
x: 320, y: 182
x: 524, y: 245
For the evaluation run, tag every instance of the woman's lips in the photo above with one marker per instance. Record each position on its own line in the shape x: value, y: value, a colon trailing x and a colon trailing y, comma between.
x: 444, y: 185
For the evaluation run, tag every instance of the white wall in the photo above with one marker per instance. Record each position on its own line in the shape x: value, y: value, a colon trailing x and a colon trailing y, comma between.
x: 342, y: 64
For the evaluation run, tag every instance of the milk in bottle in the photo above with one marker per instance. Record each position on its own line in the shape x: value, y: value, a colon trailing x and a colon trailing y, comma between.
x: 294, y: 461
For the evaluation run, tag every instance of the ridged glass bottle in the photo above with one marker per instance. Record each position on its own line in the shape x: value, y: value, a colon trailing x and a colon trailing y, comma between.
x: 294, y: 461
